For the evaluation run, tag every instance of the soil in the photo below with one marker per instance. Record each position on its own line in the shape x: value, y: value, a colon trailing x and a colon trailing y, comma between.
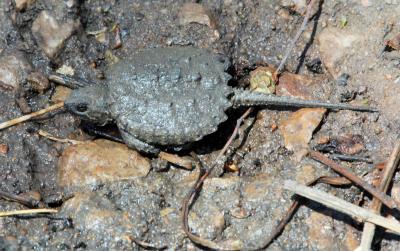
x: 242, y: 207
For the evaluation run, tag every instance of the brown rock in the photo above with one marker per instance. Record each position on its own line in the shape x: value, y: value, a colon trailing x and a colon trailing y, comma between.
x: 321, y: 232
x: 38, y: 81
x: 14, y: 68
x: 61, y: 94
x: 294, y: 85
x: 3, y: 149
x: 212, y: 226
x: 91, y: 212
x: 257, y: 187
x: 23, y: 4
x: 366, y: 3
x: 297, y: 130
x: 305, y: 174
x: 50, y: 34
x: 335, y: 45
x: 23, y: 105
x: 196, y: 13
x: 396, y: 192
x: 351, y: 241
x: 98, y: 162
x: 260, y: 188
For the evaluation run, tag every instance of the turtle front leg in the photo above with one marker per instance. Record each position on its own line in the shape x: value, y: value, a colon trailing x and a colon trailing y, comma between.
x: 137, y: 144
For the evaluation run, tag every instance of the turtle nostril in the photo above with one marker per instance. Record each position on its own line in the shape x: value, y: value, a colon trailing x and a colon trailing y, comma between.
x: 82, y: 107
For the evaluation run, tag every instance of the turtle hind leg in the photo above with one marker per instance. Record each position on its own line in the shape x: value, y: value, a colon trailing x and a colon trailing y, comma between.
x: 139, y: 145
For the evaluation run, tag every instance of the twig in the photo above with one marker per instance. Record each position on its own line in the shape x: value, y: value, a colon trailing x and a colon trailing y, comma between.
x: 336, y: 181
x: 30, y: 116
x: 175, y: 159
x: 387, y: 176
x: 29, y: 202
x: 195, y: 189
x: 298, y: 34
x: 342, y: 206
x: 387, y: 200
x: 28, y: 211
x: 49, y: 136
x: 145, y: 244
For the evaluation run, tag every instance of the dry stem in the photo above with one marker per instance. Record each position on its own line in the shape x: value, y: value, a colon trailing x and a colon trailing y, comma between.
x: 342, y: 206
x: 51, y: 137
x: 28, y: 211
x: 387, y: 200
x: 31, y: 115
x: 298, y: 34
x: 388, y: 172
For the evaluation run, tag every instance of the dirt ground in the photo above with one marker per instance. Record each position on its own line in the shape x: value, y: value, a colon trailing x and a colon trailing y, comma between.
x: 243, y: 207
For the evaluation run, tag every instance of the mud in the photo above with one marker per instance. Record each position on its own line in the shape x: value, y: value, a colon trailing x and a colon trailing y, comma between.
x: 240, y: 207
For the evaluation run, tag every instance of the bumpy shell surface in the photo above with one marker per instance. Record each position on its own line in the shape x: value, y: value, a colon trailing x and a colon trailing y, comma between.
x: 169, y: 96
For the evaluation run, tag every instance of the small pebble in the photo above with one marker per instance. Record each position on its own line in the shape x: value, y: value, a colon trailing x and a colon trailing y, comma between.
x: 396, y: 192
x: 196, y: 13
x: 66, y: 70
x: 295, y: 85
x: 362, y: 90
x: 98, y: 162
x: 315, y: 66
x: 23, y: 105
x: 14, y: 68
x: 21, y: 5
x: 343, y: 79
x: 348, y: 96
x: 39, y: 82
x: 298, y: 129
x: 51, y: 34
x: 61, y: 94
x: 3, y: 149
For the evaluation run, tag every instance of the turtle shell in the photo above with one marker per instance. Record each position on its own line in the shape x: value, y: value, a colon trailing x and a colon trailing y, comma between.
x: 169, y: 96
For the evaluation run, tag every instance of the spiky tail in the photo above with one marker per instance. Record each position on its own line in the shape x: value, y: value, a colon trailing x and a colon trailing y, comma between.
x: 248, y: 98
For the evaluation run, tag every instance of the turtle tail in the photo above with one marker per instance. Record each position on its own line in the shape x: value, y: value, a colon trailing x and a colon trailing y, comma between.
x: 248, y: 98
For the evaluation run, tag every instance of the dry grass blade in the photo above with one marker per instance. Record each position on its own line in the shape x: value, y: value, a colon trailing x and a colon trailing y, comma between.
x: 342, y: 206
x: 51, y: 137
x: 336, y: 181
x: 28, y: 211
x: 30, y: 116
x: 298, y: 34
x: 388, y: 172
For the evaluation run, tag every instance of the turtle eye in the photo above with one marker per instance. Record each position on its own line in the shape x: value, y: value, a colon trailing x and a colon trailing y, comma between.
x: 83, y: 107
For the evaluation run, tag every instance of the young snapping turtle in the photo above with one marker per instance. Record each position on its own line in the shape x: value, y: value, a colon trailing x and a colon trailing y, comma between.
x: 171, y: 96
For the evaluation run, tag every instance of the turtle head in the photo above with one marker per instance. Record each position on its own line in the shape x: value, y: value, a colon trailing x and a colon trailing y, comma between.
x: 90, y: 103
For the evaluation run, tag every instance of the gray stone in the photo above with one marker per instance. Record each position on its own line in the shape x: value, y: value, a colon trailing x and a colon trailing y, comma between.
x: 14, y: 69
x: 51, y: 34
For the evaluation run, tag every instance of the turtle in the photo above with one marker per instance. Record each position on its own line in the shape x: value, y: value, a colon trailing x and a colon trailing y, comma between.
x: 169, y: 97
